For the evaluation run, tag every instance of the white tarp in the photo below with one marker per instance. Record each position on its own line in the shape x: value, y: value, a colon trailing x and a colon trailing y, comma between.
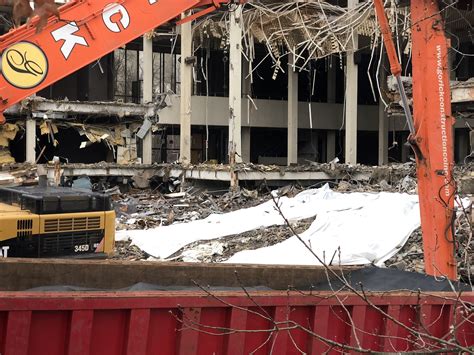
x: 368, y: 228
x: 371, y: 234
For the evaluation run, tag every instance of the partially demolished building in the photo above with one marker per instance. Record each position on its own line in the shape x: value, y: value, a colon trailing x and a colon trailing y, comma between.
x: 271, y: 82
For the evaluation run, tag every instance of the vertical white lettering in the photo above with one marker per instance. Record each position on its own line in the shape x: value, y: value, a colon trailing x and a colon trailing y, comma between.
x: 442, y: 110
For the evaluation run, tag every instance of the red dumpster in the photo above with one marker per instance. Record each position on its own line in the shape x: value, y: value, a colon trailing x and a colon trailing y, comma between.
x: 237, y: 322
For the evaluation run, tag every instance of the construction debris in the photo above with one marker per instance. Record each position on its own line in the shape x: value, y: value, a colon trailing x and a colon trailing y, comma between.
x: 326, y: 204
x: 6, y: 179
x: 309, y: 30
x: 8, y: 133
x: 145, y: 209
x: 5, y: 156
x: 149, y: 209
x: 218, y: 251
x: 18, y: 174
x: 95, y: 108
x: 410, y: 257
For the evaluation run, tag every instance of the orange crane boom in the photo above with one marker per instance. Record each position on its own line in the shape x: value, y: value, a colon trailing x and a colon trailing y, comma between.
x: 87, y: 31
x: 431, y: 131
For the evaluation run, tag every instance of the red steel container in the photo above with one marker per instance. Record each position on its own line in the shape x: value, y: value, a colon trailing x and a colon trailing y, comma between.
x: 102, y: 323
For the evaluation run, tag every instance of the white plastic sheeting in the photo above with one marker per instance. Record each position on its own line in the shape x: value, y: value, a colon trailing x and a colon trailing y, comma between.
x: 368, y: 228
x: 370, y: 233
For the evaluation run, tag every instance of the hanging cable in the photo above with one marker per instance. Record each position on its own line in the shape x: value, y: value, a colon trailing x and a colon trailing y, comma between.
x: 206, y: 79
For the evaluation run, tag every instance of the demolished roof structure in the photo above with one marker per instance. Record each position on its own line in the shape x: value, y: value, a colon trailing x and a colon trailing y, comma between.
x: 308, y: 31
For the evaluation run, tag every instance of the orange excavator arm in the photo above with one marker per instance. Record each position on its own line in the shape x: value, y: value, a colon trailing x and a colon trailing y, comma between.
x: 87, y: 31
x: 431, y: 130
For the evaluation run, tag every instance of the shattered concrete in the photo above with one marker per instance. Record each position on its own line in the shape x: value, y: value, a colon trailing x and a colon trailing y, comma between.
x: 245, y: 172
x: 107, y: 109
x: 410, y: 257
x: 462, y: 96
x: 147, y: 209
x: 218, y: 251
x: 18, y: 174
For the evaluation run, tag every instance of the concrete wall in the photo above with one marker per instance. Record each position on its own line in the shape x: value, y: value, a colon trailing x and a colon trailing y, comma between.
x: 273, y: 114
x: 269, y: 113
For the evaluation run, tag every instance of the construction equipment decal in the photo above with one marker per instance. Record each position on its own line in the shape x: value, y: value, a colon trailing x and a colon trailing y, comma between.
x: 24, y: 65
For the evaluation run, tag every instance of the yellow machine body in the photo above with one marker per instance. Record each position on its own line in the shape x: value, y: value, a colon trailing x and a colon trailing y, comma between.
x: 27, y: 234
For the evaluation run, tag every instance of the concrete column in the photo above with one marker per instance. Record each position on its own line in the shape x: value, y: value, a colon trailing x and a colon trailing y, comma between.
x: 383, y: 121
x: 351, y: 99
x: 30, y: 141
x: 292, y: 112
x: 332, y: 80
x: 235, y: 86
x: 330, y: 145
x: 246, y: 144
x: 147, y: 143
x: 186, y: 92
x: 383, y: 135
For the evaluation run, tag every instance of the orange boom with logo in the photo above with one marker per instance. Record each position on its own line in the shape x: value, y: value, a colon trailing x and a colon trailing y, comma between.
x: 80, y: 33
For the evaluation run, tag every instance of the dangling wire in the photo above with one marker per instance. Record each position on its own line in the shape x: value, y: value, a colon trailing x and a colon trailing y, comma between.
x: 312, y: 87
x: 206, y: 79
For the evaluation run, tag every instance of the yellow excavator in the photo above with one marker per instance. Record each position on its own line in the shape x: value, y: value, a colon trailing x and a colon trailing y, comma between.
x: 38, y: 221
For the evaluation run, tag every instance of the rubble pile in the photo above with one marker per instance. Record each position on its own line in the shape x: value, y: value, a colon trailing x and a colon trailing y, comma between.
x: 410, y: 257
x: 465, y: 244
x: 144, y: 209
x: 18, y: 174
x: 218, y: 251
x: 125, y: 251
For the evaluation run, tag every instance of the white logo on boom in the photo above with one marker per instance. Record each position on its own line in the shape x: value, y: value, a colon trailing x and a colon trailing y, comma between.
x: 66, y: 33
x: 113, y: 9
x: 152, y: 2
